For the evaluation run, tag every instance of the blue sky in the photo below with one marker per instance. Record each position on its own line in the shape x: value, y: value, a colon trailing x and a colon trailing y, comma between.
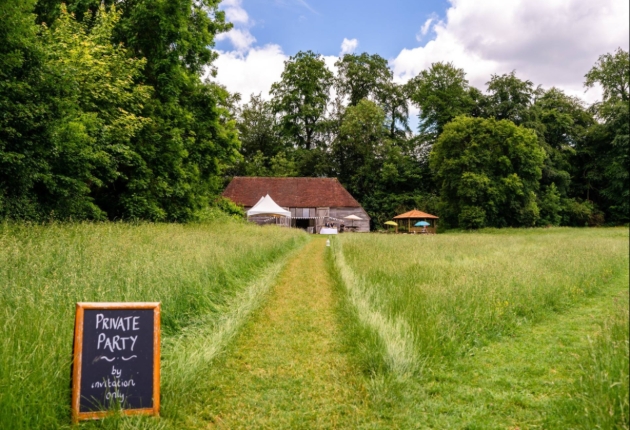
x: 550, y: 42
x: 384, y: 27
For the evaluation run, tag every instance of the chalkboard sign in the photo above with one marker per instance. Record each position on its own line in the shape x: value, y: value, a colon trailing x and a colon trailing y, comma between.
x: 116, y: 359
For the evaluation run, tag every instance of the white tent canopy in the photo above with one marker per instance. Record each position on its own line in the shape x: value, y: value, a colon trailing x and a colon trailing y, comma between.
x: 266, y: 206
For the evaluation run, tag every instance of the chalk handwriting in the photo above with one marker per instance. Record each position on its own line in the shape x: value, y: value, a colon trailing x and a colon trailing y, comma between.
x: 117, y: 323
x: 116, y: 372
x: 115, y: 343
x: 113, y: 384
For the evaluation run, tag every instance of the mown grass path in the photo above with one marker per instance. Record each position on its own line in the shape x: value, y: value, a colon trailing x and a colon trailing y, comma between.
x: 288, y: 369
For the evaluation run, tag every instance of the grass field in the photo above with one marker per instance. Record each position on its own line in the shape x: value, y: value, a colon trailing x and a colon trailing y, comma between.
x: 269, y: 328
x: 461, y: 330
x: 207, y: 276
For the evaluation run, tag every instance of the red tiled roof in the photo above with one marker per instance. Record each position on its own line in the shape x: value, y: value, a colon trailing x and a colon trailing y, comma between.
x: 415, y: 214
x: 290, y: 192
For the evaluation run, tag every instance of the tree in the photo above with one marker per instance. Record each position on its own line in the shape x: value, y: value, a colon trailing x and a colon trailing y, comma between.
x: 488, y: 171
x: 392, y: 98
x: 511, y: 98
x: 362, y: 76
x: 191, y: 136
x: 99, y: 113
x: 278, y: 166
x: 378, y: 171
x: 612, y: 72
x: 101, y: 146
x: 359, y: 147
x: 23, y: 113
x: 301, y: 97
x: 264, y: 151
x: 48, y: 11
x: 605, y: 154
x: 260, y: 135
x: 258, y: 128
x: 564, y: 123
x: 442, y: 93
x: 90, y: 109
x: 550, y: 206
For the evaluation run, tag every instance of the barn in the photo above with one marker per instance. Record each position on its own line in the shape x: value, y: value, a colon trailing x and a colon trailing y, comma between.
x: 313, y: 202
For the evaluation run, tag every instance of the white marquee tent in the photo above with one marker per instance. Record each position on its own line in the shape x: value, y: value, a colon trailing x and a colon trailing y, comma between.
x: 266, y: 206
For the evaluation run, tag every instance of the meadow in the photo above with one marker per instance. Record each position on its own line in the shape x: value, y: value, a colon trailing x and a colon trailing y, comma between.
x: 207, y: 276
x: 440, y: 317
x: 496, y: 329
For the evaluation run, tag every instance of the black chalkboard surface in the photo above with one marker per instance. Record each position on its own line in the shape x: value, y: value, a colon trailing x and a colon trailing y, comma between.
x: 116, y: 359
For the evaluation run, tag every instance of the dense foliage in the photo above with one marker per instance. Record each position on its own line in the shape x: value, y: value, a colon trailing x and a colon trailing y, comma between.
x: 489, y: 171
x: 104, y: 114
x: 514, y: 155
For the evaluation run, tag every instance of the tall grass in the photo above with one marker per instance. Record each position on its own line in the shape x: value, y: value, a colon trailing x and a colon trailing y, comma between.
x: 603, y: 386
x: 385, y: 341
x: 453, y: 293
x: 197, y: 271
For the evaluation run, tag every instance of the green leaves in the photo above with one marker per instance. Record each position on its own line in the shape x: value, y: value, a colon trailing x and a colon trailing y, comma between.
x: 362, y: 76
x: 302, y: 97
x: 604, y: 154
x: 510, y: 98
x: 488, y: 171
x: 121, y: 124
x: 612, y: 72
x: 104, y: 114
x: 99, y: 107
x: 441, y: 93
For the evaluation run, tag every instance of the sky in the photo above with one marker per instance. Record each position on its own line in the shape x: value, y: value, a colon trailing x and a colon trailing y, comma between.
x: 550, y: 42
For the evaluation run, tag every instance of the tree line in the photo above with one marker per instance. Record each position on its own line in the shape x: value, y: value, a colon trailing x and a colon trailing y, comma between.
x: 104, y: 114
x: 513, y: 155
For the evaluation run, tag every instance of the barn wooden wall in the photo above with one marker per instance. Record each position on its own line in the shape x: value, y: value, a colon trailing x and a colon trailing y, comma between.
x: 340, y: 213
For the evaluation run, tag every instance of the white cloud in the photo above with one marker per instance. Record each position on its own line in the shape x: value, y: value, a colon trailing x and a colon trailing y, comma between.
x: 252, y: 72
x: 241, y: 39
x: 550, y: 42
x: 239, y: 36
x: 424, y: 29
x: 237, y: 15
x: 348, y: 46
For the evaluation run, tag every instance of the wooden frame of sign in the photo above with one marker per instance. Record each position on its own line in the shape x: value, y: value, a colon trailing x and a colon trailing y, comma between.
x: 79, y: 407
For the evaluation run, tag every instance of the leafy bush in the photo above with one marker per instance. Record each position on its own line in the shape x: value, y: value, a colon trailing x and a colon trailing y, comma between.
x: 581, y: 213
x: 550, y: 206
x: 472, y: 217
